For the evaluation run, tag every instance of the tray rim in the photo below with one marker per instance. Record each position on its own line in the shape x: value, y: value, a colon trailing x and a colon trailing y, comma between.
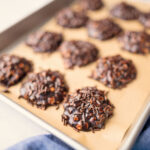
x: 132, y: 132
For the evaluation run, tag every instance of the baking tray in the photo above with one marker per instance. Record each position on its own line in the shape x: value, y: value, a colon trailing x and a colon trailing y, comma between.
x: 8, y: 41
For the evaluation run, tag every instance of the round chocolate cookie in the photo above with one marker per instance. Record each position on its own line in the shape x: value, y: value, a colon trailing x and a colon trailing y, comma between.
x: 87, y: 109
x: 44, y: 41
x: 125, y: 11
x: 12, y: 69
x: 90, y: 4
x: 78, y: 53
x: 145, y: 19
x: 71, y: 19
x: 44, y: 89
x: 114, y: 71
x: 103, y: 29
x: 135, y: 42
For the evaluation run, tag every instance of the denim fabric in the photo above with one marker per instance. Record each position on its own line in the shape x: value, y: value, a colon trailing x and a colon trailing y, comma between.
x: 143, y: 141
x: 41, y: 142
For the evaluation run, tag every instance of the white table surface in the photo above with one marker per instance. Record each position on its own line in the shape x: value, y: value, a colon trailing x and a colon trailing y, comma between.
x: 12, y: 11
x: 14, y: 126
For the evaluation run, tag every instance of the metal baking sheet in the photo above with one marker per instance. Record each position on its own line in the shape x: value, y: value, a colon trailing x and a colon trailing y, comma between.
x: 32, y: 22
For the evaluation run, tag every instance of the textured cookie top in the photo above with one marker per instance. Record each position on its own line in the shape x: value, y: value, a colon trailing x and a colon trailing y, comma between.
x: 125, y: 11
x: 135, y: 42
x: 44, y: 89
x: 145, y: 19
x: 103, y: 29
x: 114, y: 71
x: 87, y: 109
x: 78, y: 53
x: 44, y: 41
x: 12, y: 69
x: 90, y: 4
x: 71, y: 19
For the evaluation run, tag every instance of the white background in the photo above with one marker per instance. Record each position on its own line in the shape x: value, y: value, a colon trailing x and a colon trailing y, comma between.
x: 12, y: 11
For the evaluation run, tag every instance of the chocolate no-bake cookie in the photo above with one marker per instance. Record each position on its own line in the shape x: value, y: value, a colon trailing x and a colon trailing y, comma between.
x: 71, y: 19
x: 145, y: 19
x: 44, y: 89
x: 78, y: 53
x: 103, y: 29
x: 44, y: 41
x: 12, y: 69
x: 90, y: 4
x: 114, y: 71
x: 87, y: 109
x: 125, y: 11
x: 135, y: 42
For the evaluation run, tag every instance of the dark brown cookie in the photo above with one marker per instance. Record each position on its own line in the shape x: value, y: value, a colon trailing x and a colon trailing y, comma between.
x: 145, y: 19
x: 125, y: 11
x: 114, y: 71
x: 44, y: 41
x: 44, y: 89
x: 90, y: 4
x: 103, y: 29
x: 71, y: 19
x: 13, y: 69
x: 78, y: 53
x: 135, y: 42
x: 87, y: 109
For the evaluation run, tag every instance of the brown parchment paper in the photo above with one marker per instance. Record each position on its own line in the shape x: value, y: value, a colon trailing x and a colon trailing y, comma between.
x: 127, y: 101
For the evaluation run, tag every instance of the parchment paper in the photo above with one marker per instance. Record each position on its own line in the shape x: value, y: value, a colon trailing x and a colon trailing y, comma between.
x: 127, y: 101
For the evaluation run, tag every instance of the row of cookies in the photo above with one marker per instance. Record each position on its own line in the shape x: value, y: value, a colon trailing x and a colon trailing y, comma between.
x: 122, y: 11
x: 86, y: 109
